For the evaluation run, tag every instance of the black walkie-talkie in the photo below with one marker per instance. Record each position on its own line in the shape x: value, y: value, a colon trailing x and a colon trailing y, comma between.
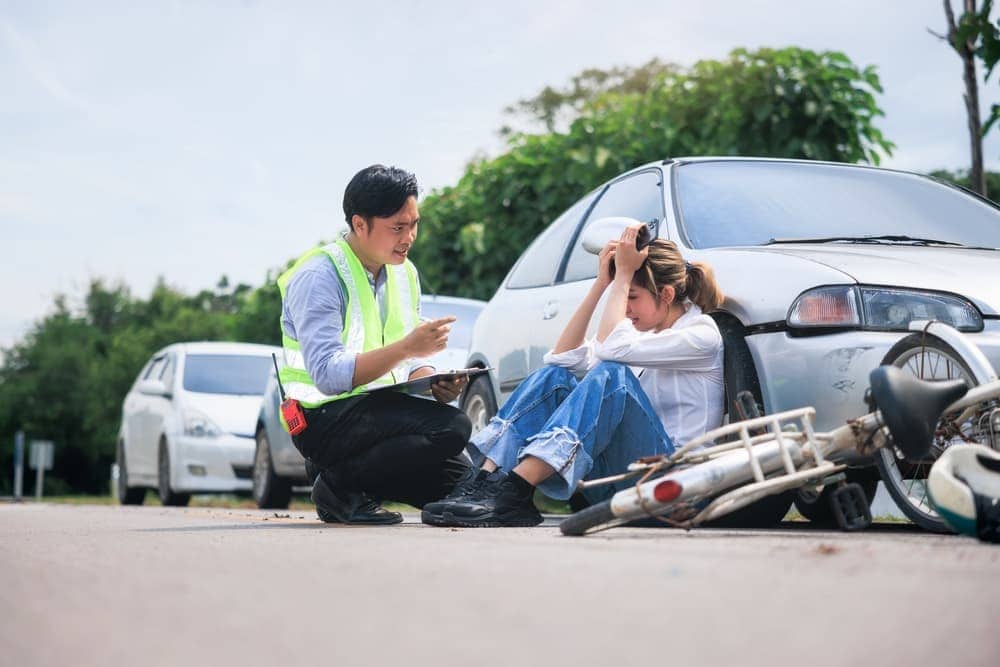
x: 291, y: 411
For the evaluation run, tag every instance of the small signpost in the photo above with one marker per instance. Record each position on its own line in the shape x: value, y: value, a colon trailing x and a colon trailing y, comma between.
x: 41, y: 460
x: 18, y: 464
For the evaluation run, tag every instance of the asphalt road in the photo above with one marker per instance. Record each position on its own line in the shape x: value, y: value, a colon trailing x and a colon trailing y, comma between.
x: 93, y: 585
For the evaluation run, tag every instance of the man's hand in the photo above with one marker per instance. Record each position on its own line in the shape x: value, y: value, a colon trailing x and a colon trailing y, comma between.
x: 447, y: 391
x: 428, y: 337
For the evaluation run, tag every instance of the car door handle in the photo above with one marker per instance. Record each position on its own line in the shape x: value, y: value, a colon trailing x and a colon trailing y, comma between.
x: 551, y: 310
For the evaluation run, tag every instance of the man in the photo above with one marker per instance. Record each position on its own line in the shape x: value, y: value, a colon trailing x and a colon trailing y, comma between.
x: 350, y: 323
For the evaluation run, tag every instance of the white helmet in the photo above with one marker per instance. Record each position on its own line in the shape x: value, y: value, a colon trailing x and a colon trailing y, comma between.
x: 964, y: 488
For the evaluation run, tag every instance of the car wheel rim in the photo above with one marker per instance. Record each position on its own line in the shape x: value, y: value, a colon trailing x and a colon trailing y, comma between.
x: 911, y: 478
x: 475, y: 409
x: 261, y: 467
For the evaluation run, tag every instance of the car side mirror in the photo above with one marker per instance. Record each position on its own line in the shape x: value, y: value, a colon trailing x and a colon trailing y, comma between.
x: 597, y: 234
x: 154, y: 388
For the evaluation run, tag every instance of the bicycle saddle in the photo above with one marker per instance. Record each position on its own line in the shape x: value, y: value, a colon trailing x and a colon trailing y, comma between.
x: 911, y: 407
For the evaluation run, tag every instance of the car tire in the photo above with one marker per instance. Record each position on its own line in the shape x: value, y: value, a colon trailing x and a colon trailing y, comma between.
x: 126, y: 495
x: 479, y: 403
x: 269, y: 490
x: 740, y: 374
x: 163, y: 488
x: 908, y: 354
x: 816, y: 506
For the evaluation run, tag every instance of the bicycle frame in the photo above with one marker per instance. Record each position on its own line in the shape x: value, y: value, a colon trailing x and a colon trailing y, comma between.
x: 789, y: 455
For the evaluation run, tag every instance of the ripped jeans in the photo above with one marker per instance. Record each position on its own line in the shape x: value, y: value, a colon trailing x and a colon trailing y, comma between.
x: 584, y: 429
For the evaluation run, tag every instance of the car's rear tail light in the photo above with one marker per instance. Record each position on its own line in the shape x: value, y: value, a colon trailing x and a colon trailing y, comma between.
x: 667, y: 491
x: 826, y: 307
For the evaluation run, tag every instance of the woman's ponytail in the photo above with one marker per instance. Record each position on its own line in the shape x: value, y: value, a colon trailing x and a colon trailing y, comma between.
x: 700, y: 286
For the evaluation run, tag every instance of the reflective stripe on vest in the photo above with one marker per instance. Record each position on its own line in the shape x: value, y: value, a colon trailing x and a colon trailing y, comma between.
x: 363, y: 327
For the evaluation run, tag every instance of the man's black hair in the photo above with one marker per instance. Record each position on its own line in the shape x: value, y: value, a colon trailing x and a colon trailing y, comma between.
x: 378, y: 191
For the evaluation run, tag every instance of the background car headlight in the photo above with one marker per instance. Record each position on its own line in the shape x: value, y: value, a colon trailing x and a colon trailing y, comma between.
x: 199, y: 425
x: 880, y: 309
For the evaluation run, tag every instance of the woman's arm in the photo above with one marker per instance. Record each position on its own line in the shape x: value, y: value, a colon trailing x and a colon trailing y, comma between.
x: 627, y: 262
x: 576, y: 329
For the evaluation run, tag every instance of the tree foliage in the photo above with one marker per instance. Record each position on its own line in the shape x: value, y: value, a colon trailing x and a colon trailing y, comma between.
x: 65, y: 380
x: 974, y: 36
x: 770, y: 102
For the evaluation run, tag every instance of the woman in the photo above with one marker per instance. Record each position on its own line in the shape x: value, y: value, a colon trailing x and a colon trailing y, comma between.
x: 555, y: 431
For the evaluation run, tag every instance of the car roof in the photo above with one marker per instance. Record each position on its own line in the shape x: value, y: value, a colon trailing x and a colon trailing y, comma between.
x: 220, y: 347
x: 452, y: 300
x: 738, y: 158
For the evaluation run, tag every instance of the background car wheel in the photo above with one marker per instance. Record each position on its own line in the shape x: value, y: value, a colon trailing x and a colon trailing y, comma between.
x: 479, y: 405
x: 164, y: 490
x: 269, y: 490
x: 126, y: 495
x: 929, y: 358
x: 816, y: 507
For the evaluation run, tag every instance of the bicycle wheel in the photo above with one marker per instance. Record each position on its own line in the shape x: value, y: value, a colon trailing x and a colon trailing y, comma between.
x: 590, y: 519
x: 930, y: 358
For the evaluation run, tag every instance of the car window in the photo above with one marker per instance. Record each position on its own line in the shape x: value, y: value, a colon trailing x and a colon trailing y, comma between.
x: 639, y: 196
x: 226, y: 373
x: 167, y: 374
x: 744, y: 203
x: 539, y: 263
x: 155, y: 369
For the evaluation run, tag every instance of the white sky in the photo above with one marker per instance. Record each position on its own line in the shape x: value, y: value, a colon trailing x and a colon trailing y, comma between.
x: 190, y: 140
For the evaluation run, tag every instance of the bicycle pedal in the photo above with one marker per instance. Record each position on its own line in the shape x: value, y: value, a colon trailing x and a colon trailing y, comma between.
x: 850, y: 507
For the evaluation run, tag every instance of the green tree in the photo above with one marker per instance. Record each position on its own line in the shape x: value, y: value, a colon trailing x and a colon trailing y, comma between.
x: 961, y: 178
x: 770, y: 102
x: 974, y: 35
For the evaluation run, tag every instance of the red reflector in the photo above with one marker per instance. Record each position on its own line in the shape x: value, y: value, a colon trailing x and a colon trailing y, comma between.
x: 667, y: 491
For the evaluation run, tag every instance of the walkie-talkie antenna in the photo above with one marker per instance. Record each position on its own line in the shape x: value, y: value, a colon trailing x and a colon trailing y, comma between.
x: 281, y: 390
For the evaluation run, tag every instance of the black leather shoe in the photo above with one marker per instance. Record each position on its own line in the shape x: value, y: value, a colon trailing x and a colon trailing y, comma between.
x: 496, y: 503
x: 349, y: 507
x: 467, y: 486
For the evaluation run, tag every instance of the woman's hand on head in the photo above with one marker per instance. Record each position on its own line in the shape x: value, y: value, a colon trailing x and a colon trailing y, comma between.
x: 627, y: 258
x: 604, y: 263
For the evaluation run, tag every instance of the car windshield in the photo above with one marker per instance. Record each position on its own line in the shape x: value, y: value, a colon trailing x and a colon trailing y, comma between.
x: 461, y: 330
x: 743, y: 203
x: 226, y: 373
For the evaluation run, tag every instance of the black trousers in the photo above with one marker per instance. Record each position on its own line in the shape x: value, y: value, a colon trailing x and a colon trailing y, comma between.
x: 387, y: 444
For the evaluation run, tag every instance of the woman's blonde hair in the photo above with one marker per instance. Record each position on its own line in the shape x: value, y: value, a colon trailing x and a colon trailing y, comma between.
x: 691, y: 280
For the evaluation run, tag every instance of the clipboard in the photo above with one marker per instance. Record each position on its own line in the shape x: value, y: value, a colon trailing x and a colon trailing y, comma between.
x: 423, y: 385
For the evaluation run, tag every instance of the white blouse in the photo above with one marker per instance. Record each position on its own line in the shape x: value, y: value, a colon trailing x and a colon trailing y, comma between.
x: 679, y: 368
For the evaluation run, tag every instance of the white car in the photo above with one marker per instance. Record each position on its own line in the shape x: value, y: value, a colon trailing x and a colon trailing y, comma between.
x: 824, y: 266
x: 278, y: 465
x: 188, y: 421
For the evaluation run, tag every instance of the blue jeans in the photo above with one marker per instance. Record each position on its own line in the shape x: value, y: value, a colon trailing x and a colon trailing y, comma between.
x: 584, y: 430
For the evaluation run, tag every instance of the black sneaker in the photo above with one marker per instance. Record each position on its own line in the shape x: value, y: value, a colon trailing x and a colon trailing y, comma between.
x: 343, y: 507
x: 468, y: 485
x: 497, y: 503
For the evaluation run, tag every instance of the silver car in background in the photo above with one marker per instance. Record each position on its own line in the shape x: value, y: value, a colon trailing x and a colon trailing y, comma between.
x: 187, y: 422
x: 823, y: 265
x: 278, y: 466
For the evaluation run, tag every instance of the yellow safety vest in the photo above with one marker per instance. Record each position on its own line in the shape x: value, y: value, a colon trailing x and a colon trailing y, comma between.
x: 363, y: 326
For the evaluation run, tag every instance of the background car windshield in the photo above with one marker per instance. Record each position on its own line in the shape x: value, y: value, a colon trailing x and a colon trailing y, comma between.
x: 461, y: 330
x: 226, y: 373
x: 748, y: 203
